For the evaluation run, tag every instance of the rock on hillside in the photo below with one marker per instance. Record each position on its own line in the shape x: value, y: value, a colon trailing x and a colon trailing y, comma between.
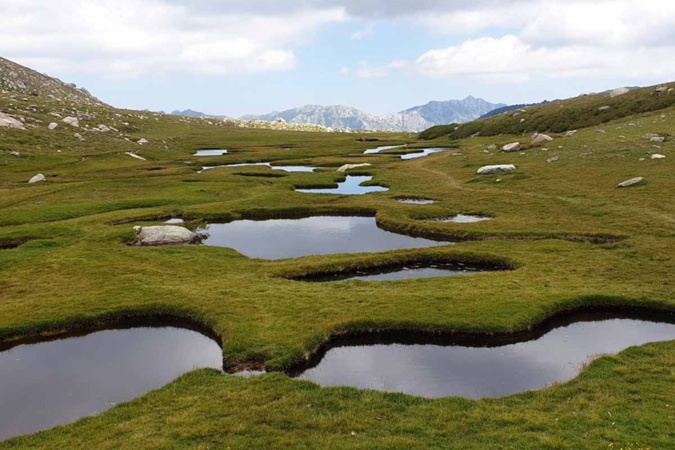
x: 15, y: 78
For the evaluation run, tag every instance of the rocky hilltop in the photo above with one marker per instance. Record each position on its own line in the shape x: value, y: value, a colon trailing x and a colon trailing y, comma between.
x: 17, y: 79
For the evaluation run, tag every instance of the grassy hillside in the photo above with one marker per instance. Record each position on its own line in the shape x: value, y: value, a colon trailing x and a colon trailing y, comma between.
x: 575, y: 240
x: 563, y: 115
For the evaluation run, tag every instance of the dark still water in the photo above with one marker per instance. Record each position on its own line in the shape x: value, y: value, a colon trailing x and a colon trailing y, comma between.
x: 402, y: 273
x: 51, y: 383
x: 478, y: 372
x: 291, y: 238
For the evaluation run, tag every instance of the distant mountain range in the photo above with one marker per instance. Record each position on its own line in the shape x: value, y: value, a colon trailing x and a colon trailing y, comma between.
x: 417, y: 118
x: 191, y: 113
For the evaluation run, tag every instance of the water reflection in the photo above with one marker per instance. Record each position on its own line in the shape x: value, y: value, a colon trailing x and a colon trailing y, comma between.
x: 351, y: 186
x: 57, y: 382
x: 211, y: 152
x: 423, y: 153
x: 307, y: 169
x: 372, y: 151
x: 478, y: 372
x: 402, y: 273
x: 291, y: 238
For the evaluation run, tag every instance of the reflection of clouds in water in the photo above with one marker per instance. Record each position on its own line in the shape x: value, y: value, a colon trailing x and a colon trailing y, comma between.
x: 351, y: 186
x: 436, y: 371
x: 274, y: 239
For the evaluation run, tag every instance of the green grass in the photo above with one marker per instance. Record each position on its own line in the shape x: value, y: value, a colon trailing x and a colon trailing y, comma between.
x: 572, y: 237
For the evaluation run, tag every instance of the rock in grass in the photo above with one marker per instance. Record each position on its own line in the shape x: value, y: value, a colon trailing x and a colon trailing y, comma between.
x: 552, y: 159
x: 79, y: 136
x: 8, y: 121
x: 346, y: 167
x: 512, y: 147
x: 498, y: 168
x: 571, y: 133
x: 631, y: 182
x: 15, y: 154
x: 142, y: 141
x: 164, y: 235
x: 649, y: 135
x: 658, y: 156
x: 657, y: 139
x: 134, y: 155
x: 619, y: 91
x: 37, y: 178
x: 72, y: 121
x: 538, y: 138
x: 53, y: 126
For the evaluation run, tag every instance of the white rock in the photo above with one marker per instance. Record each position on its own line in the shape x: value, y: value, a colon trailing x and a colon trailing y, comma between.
x: 134, y: 155
x: 164, y: 235
x: 15, y: 153
x: 73, y: 121
x: 142, y: 141
x: 660, y: 88
x: 619, y: 91
x: 492, y: 147
x: 36, y: 178
x: 103, y: 128
x: 53, y: 126
x: 347, y: 167
x: 603, y: 108
x: 552, y: 159
x: 498, y: 168
x: 658, y: 156
x: 512, y: 147
x: 600, y: 131
x: 79, y: 136
x: 649, y: 135
x: 538, y: 139
x: 8, y: 121
x: 571, y: 133
x: 657, y: 139
x: 631, y: 182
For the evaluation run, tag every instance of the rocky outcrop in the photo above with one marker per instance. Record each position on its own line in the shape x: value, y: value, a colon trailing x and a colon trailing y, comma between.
x: 631, y: 182
x: 619, y: 91
x: 512, y: 147
x: 538, y: 138
x: 163, y: 235
x: 498, y: 168
x: 72, y: 121
x: 8, y: 121
x: 37, y: 178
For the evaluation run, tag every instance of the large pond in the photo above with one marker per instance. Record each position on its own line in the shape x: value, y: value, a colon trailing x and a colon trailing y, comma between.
x: 437, y: 370
x: 291, y: 238
x: 265, y: 164
x: 351, y: 186
x: 402, y: 273
x: 57, y: 382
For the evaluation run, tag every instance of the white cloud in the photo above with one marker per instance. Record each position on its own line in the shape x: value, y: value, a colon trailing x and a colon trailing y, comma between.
x: 128, y: 38
x: 368, y: 30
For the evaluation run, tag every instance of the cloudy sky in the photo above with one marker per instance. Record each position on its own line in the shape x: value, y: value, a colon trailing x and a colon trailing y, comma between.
x: 253, y: 56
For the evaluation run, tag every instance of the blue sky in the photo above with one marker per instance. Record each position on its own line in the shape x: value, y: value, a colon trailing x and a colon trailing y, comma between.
x: 234, y: 57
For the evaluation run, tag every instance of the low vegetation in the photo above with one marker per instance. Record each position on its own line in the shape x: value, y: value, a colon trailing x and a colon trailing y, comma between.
x: 572, y: 239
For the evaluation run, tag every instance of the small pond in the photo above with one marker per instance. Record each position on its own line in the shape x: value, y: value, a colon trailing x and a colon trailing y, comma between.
x: 57, y: 382
x: 402, y: 273
x: 211, y: 152
x: 422, y: 153
x: 416, y: 201
x: 284, y: 168
x: 351, y: 186
x: 292, y: 238
x: 372, y: 151
x: 477, y: 370
x: 464, y: 218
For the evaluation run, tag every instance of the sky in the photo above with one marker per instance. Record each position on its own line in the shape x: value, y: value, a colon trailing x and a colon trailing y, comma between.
x: 236, y: 57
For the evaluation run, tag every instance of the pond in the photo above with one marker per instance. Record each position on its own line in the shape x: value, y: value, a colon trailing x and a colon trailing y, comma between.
x: 402, y: 273
x: 478, y: 371
x: 265, y: 164
x: 422, y: 153
x: 60, y: 381
x: 464, y: 218
x: 292, y: 238
x: 416, y: 201
x: 372, y: 151
x: 351, y: 186
x: 211, y: 152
